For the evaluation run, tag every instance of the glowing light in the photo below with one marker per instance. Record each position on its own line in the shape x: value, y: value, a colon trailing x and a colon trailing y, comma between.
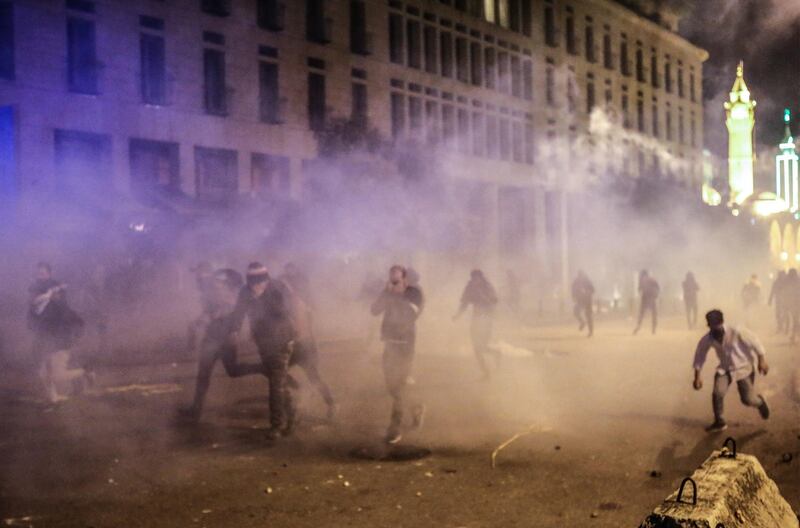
x: 767, y: 204
x: 740, y: 110
x: 735, y: 212
x: 797, y: 257
x: 784, y: 256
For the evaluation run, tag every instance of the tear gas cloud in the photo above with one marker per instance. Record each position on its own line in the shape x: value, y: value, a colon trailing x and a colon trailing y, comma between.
x: 372, y: 205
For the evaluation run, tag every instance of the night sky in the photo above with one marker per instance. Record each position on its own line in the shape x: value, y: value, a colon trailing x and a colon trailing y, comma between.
x: 765, y: 34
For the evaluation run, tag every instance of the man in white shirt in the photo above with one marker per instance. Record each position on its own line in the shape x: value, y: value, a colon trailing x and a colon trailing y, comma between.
x: 738, y: 351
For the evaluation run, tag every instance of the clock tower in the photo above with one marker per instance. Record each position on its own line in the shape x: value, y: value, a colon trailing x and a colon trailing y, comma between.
x: 740, y: 120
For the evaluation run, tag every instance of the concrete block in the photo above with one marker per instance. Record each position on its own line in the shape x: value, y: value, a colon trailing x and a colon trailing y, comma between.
x: 732, y: 493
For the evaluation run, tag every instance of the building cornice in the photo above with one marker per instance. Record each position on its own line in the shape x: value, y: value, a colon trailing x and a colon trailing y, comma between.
x: 670, y: 36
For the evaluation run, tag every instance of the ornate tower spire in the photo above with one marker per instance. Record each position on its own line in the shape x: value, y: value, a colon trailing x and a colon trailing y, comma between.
x: 786, y: 167
x: 740, y: 121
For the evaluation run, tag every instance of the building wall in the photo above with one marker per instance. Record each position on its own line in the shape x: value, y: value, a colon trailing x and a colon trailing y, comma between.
x: 39, y: 93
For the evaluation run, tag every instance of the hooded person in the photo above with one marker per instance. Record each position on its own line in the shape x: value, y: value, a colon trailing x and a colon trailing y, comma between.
x: 480, y: 294
x: 216, y: 344
x: 267, y: 303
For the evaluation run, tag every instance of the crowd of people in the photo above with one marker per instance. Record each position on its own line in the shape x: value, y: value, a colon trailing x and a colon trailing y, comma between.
x: 280, y: 311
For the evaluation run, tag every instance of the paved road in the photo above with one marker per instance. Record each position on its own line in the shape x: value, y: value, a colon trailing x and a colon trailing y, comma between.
x: 603, y: 413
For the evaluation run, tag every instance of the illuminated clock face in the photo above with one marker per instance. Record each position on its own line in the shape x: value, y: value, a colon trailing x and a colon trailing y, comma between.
x: 739, y: 112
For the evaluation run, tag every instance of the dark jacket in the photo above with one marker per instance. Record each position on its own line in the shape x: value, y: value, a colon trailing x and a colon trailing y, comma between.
x: 582, y: 290
x: 270, y: 315
x: 53, y: 319
x: 649, y: 290
x: 400, y: 312
x: 481, y: 295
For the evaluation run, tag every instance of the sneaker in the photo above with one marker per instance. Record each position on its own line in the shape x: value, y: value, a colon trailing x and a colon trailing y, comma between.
x: 333, y: 411
x: 717, y: 426
x: 393, y: 437
x: 191, y: 414
x: 272, y: 434
x: 763, y: 409
x: 417, y: 416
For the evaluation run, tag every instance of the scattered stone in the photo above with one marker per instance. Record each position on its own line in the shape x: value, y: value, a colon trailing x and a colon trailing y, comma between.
x: 419, y: 494
x: 558, y: 448
x: 346, y: 484
x: 450, y: 470
x: 655, y: 474
x: 594, y: 515
x: 206, y: 511
x: 428, y: 474
x: 268, y: 491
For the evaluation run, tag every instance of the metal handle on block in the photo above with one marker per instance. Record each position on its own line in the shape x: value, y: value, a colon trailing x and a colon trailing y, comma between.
x: 694, y: 491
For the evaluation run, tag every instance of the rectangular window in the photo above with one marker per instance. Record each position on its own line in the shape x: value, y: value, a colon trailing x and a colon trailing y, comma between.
x: 446, y: 49
x: 680, y: 82
x: 693, y: 131
x: 432, y: 121
x: 463, y: 131
x: 431, y: 51
x: 527, y: 80
x: 413, y: 34
x: 527, y: 17
x: 503, y: 72
x: 81, y: 56
x: 517, y: 142
x: 550, y: 85
x: 502, y: 13
x: 398, y: 115
x: 359, y: 38
x: 396, y: 38
x: 590, y: 97
x: 316, y: 101
x: 572, y: 45
x: 505, y: 139
x: 216, y: 174
x: 492, y: 146
x: 489, y: 10
x: 358, y: 112
x: 318, y: 26
x: 462, y: 60
x: 154, y: 167
x: 668, y: 76
x: 271, y: 14
x: 514, y: 15
x: 608, y: 55
x: 215, y: 89
x: 7, y: 67
x: 516, y: 77
x: 415, y: 115
x: 640, y: 66
x: 668, y: 123
x: 529, y: 144
x: 220, y: 8
x: 654, y: 80
x: 270, y: 175
x: 477, y: 68
x: 153, y: 69
x: 268, y: 95
x: 624, y: 62
x: 640, y: 115
x: 681, y: 135
x: 83, y: 159
x: 478, y: 134
x: 692, y: 92
x: 591, y: 56
x: 550, y: 27
x: 626, y: 120
x: 656, y: 131
x: 490, y: 68
x: 571, y: 95
x: 448, y: 123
